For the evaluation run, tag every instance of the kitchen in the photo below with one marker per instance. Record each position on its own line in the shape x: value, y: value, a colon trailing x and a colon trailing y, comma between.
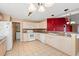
x: 57, y: 32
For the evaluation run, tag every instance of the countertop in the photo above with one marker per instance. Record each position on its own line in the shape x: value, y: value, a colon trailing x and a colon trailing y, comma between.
x: 68, y: 34
x: 60, y: 33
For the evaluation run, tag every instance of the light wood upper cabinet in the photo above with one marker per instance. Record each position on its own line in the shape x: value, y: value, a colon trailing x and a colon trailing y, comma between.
x: 4, y: 17
x: 43, y: 24
x: 32, y: 25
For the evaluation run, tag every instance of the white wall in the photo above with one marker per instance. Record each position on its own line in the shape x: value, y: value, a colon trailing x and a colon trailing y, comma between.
x: 75, y: 18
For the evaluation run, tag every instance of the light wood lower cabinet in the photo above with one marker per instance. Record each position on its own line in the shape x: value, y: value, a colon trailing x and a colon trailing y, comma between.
x: 25, y: 37
x: 28, y: 36
x: 62, y: 43
x: 68, y: 46
x: 54, y: 41
x: 37, y: 36
x: 48, y: 40
x: 3, y: 48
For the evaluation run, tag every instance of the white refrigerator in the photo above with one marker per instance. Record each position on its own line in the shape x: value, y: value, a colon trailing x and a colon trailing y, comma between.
x: 6, y: 30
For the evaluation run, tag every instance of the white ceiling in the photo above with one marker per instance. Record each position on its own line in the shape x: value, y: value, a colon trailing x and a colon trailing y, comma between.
x: 20, y: 10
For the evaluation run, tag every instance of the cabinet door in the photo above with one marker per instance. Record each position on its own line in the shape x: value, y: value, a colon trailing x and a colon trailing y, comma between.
x: 27, y: 25
x: 28, y: 36
x: 69, y: 46
x: 43, y: 24
x: 25, y: 38
x: 54, y: 41
x: 62, y: 43
x: 24, y: 24
x: 57, y: 42
x: 36, y: 36
x: 42, y: 37
x: 48, y: 39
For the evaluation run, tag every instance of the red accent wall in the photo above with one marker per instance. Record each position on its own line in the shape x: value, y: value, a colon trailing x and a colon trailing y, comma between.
x: 57, y: 24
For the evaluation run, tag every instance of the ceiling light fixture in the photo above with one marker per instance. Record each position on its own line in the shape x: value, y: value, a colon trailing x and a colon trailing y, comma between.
x: 48, y: 4
x: 52, y: 15
x: 41, y: 6
x: 32, y: 8
x: 29, y: 13
x: 41, y: 9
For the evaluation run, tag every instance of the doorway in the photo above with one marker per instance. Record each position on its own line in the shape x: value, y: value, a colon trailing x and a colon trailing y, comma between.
x: 16, y: 31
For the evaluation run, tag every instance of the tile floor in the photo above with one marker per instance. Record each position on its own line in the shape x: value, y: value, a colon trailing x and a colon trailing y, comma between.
x: 33, y: 48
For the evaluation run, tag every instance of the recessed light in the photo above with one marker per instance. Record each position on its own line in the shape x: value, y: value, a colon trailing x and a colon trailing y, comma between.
x: 66, y: 9
x: 52, y: 15
x: 29, y: 13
